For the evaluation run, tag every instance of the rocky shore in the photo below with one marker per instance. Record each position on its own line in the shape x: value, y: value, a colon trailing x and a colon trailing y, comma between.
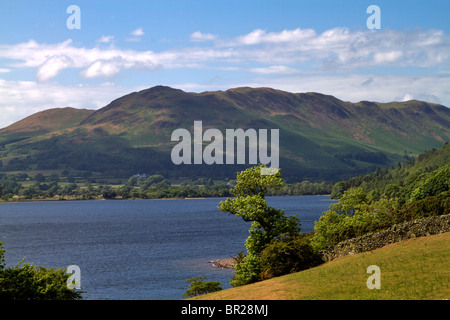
x: 227, y: 263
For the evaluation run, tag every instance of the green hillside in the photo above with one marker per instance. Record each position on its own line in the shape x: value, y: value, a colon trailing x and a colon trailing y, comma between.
x: 401, y: 180
x: 417, y: 189
x: 374, y: 211
x: 321, y: 137
x: 43, y: 122
x: 416, y: 269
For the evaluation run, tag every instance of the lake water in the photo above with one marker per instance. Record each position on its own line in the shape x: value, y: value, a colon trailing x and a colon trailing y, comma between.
x: 135, y: 249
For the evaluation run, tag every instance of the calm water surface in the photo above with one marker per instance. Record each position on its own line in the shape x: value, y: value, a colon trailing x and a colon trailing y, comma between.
x: 135, y: 249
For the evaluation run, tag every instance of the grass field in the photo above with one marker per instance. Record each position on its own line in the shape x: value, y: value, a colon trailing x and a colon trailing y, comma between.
x: 416, y: 269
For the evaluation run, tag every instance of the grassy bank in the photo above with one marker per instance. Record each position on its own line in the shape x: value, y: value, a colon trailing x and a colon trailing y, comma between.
x: 414, y: 269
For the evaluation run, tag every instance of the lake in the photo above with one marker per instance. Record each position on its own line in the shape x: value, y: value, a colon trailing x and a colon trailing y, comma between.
x: 136, y: 249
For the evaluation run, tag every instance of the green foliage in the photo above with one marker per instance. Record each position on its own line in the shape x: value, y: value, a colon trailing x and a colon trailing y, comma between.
x: 2, y: 257
x: 251, y: 182
x: 29, y: 282
x: 355, y: 214
x: 198, y: 286
x: 267, y: 223
x: 434, y: 184
x: 78, y: 186
x: 246, y: 272
x: 405, y: 179
x: 338, y: 190
x: 288, y: 255
x: 430, y: 206
x: 370, y: 203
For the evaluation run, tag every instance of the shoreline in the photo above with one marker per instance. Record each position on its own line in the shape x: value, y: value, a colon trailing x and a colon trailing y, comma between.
x: 226, y: 263
x: 119, y: 199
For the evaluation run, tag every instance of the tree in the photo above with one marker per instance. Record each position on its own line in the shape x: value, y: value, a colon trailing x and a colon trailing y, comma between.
x: 198, y: 286
x: 39, y: 177
x: 338, y: 190
x: 267, y: 223
x: 108, y: 192
x: 29, y: 282
x: 289, y: 255
x: 355, y: 214
x: 436, y: 183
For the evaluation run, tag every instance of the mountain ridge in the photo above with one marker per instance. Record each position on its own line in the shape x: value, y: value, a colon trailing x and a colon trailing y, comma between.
x: 321, y: 136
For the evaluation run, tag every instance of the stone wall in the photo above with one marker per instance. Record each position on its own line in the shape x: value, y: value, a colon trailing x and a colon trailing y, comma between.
x: 399, y: 232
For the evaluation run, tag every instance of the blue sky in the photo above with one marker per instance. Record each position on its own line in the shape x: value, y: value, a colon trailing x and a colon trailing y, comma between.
x: 297, y: 46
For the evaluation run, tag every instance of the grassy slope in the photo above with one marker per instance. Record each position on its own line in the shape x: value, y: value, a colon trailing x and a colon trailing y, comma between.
x: 47, y: 121
x: 414, y: 269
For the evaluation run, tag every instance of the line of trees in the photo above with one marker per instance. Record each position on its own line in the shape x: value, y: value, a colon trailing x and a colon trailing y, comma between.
x: 22, y: 187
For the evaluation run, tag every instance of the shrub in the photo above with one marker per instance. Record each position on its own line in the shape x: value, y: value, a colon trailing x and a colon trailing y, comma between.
x: 247, y: 271
x: 355, y: 214
x: 349, y: 219
x: 197, y: 286
x: 434, y: 185
x: 287, y: 256
x: 29, y: 282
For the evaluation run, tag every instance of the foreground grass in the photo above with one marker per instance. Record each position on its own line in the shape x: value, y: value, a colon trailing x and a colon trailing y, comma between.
x: 415, y: 269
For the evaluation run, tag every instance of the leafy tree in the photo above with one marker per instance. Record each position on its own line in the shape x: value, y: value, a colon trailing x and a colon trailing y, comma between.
x: 267, y: 223
x: 29, y: 282
x: 198, y: 286
x: 153, y: 179
x: 288, y: 255
x: 435, y: 184
x: 108, y: 192
x: 338, y: 190
x: 424, y: 193
x: 355, y: 214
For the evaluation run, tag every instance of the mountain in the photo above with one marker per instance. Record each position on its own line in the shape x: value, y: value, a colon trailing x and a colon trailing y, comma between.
x: 321, y: 137
x: 43, y: 122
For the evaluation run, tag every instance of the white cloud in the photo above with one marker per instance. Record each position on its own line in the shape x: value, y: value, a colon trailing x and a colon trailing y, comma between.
x: 333, y: 50
x: 357, y: 87
x: 102, y: 69
x: 51, y: 60
x: 199, y: 37
x: 387, y: 57
x: 106, y: 39
x: 338, y: 62
x: 23, y: 98
x: 52, y: 66
x: 407, y: 97
x: 139, y: 32
x: 274, y: 70
x: 259, y: 36
x: 354, y: 88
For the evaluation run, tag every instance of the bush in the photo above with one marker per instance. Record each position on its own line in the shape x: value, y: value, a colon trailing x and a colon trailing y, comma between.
x: 197, y: 286
x: 29, y: 282
x: 434, y: 185
x: 353, y: 217
x: 287, y: 256
x: 430, y: 206
x: 247, y: 271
